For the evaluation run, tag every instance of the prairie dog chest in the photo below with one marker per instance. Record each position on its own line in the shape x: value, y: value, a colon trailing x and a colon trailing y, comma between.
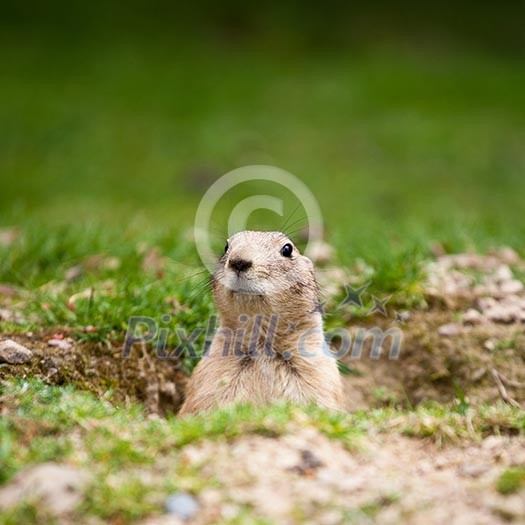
x: 270, y: 378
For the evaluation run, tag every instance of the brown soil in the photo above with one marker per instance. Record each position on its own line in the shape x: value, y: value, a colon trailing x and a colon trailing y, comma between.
x: 390, y: 480
x: 158, y: 384
x: 435, y: 367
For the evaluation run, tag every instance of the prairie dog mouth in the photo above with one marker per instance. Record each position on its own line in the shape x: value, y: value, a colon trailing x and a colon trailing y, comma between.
x: 244, y: 284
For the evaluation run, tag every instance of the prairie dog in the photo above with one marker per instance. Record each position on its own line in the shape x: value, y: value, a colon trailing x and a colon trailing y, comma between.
x: 270, y: 344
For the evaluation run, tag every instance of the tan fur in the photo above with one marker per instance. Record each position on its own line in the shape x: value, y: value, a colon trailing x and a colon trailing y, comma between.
x: 239, y: 367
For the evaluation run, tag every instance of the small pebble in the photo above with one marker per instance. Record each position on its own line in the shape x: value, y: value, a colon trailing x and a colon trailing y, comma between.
x: 57, y: 487
x: 73, y: 273
x: 478, y: 374
x: 449, y: 330
x: 8, y: 291
x: 320, y: 252
x: 503, y: 314
x: 13, y: 353
x: 63, y: 344
x: 508, y: 255
x: 489, y: 345
x: 511, y: 508
x: 472, y: 317
x: 502, y: 274
x: 473, y: 470
x: 493, y: 442
x: 182, y: 504
x: 486, y: 303
x: 511, y: 287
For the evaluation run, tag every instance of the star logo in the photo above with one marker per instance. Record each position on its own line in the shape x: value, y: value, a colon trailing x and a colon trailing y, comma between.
x: 319, y: 307
x: 379, y: 305
x: 401, y: 317
x: 287, y: 355
x: 353, y: 295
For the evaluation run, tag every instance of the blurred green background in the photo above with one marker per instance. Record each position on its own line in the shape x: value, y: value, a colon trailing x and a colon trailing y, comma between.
x: 411, y: 112
x: 405, y: 120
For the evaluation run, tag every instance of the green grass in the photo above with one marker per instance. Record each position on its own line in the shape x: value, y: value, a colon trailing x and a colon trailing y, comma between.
x: 117, y: 444
x: 28, y: 513
x: 108, y: 147
x: 511, y: 480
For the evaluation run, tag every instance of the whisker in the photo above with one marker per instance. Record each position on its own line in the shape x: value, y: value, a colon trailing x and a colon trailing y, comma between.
x: 189, y: 277
x: 203, y: 286
x: 291, y: 232
x: 284, y: 226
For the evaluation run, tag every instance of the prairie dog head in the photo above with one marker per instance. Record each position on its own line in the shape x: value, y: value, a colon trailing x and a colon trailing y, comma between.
x: 265, y: 269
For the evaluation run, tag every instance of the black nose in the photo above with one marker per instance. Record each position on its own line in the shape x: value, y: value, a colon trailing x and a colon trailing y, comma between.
x: 240, y: 265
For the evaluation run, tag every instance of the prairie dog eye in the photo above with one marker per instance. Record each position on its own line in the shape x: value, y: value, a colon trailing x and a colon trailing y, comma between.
x: 287, y: 250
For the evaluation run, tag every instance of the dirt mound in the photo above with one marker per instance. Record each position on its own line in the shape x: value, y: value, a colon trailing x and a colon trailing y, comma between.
x: 392, y: 479
x: 469, y: 344
x: 158, y: 384
x: 433, y: 366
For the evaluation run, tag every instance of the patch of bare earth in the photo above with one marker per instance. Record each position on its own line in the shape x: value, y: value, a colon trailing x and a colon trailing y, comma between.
x: 470, y: 342
x: 304, y: 477
x: 158, y: 384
